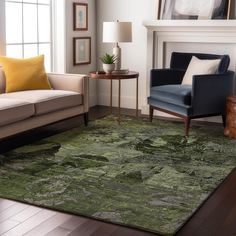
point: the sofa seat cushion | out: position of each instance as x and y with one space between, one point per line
173 94
46 101
13 110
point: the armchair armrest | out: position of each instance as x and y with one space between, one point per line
209 92
71 82
166 76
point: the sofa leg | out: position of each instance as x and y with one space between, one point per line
224 120
150 113
86 119
187 121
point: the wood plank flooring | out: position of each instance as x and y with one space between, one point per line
216 217
18 219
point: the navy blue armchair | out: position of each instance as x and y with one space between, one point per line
205 97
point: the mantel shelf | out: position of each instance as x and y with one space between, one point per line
191 25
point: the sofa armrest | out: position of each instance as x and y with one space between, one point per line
166 76
209 92
71 82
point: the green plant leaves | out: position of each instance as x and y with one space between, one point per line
108 59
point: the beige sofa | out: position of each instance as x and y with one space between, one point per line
26 110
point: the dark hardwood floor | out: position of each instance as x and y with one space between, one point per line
215 217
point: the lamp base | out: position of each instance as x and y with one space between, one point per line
117 53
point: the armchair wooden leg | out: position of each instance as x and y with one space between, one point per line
224 120
187 121
86 119
150 113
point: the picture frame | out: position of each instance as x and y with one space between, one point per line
194 10
80 16
158 7
81 50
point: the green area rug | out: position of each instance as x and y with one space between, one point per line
140 174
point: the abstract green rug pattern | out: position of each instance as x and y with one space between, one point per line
137 174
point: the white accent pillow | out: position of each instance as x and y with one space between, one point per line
200 67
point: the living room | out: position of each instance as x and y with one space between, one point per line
117 117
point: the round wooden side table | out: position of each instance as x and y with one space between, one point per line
230 129
115 76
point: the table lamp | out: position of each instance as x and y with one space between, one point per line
117 32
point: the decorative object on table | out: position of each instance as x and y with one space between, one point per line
117 32
140 174
119 77
230 129
108 62
121 71
192 9
99 72
80 16
205 97
82 50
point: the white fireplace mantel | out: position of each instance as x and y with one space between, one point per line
190 25
187 31
160 32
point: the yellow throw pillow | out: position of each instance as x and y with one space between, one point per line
24 74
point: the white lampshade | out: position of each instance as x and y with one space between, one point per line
115 32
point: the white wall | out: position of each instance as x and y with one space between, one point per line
2 28
70 33
59 36
133 54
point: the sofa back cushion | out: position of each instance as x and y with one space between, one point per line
2 81
181 60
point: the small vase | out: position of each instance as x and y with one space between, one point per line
108 68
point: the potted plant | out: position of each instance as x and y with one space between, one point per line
108 62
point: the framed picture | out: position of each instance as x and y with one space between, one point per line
82 50
80 16
221 9
158 5
192 9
